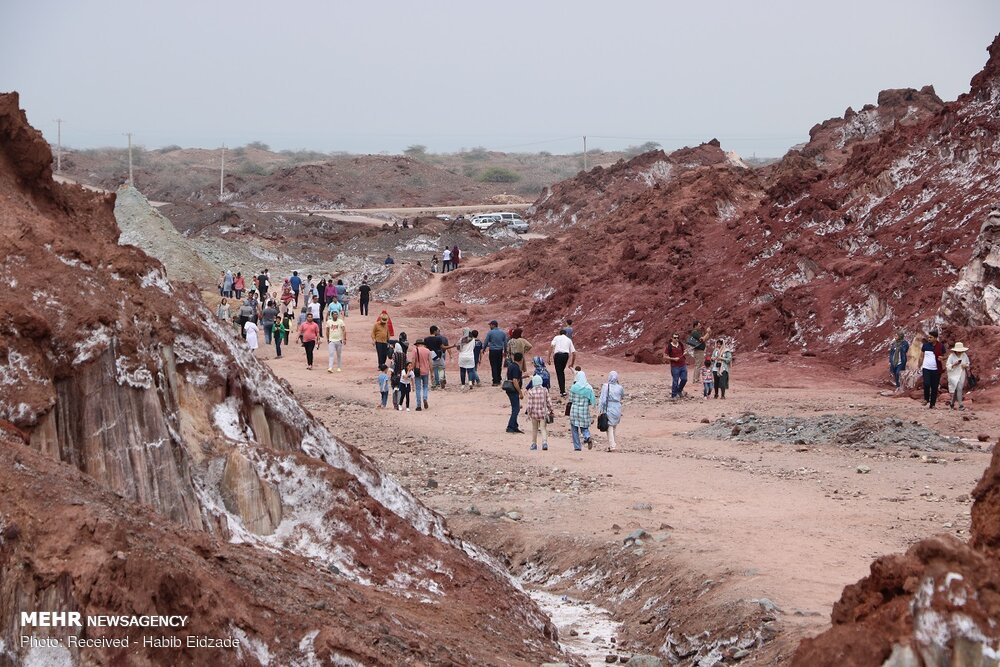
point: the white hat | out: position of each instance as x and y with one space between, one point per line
959 347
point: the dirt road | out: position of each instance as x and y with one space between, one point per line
734 521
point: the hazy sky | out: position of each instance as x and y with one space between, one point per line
510 75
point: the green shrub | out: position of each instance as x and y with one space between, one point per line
499 175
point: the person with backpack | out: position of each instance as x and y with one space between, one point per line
696 341
514 389
421 358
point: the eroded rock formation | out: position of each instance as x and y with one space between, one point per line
833 249
164 470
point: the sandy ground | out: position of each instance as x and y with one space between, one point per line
795 523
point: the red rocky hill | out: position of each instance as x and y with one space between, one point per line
151 466
856 235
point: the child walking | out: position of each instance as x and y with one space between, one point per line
406 378
707 378
383 384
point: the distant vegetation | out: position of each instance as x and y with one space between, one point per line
632 151
499 175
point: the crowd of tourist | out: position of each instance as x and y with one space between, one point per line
310 310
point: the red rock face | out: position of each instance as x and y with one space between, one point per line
831 250
152 466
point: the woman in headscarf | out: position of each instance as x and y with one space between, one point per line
222 312
538 408
610 404
581 397
957 366
542 372
467 358
518 344
381 332
286 292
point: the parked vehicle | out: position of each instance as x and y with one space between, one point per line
518 226
513 221
485 220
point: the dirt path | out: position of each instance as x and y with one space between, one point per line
792 524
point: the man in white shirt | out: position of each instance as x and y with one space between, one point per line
446 260
314 309
563 352
336 335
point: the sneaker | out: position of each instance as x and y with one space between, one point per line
407 409
589 443
425 405
545 446
418 408
533 448
577 449
340 370
329 370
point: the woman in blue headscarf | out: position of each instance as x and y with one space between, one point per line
581 397
542 372
610 404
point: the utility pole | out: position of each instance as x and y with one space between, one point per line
222 170
59 122
130 181
585 152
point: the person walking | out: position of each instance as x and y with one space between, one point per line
958 370
467 358
421 359
496 342
340 292
239 284
308 335
281 334
931 368
398 367
581 397
696 340
250 330
707 379
446 259
364 295
514 389
897 358
227 284
316 310
610 404
223 311
296 283
541 371
563 353
438 346
519 345
678 367
538 408
722 360
336 336
455 256
267 317
380 336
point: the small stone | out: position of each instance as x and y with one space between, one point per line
863 469
643 660
610 658
983 437
573 633
431 483
642 507
706 420
751 428
800 441
319 605
474 510
514 516
635 535
736 431
665 526
615 527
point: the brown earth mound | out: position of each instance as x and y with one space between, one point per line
788 258
168 472
936 605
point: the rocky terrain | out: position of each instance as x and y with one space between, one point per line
153 466
861 233
937 604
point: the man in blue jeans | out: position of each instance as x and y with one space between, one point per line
496 342
678 367
515 393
